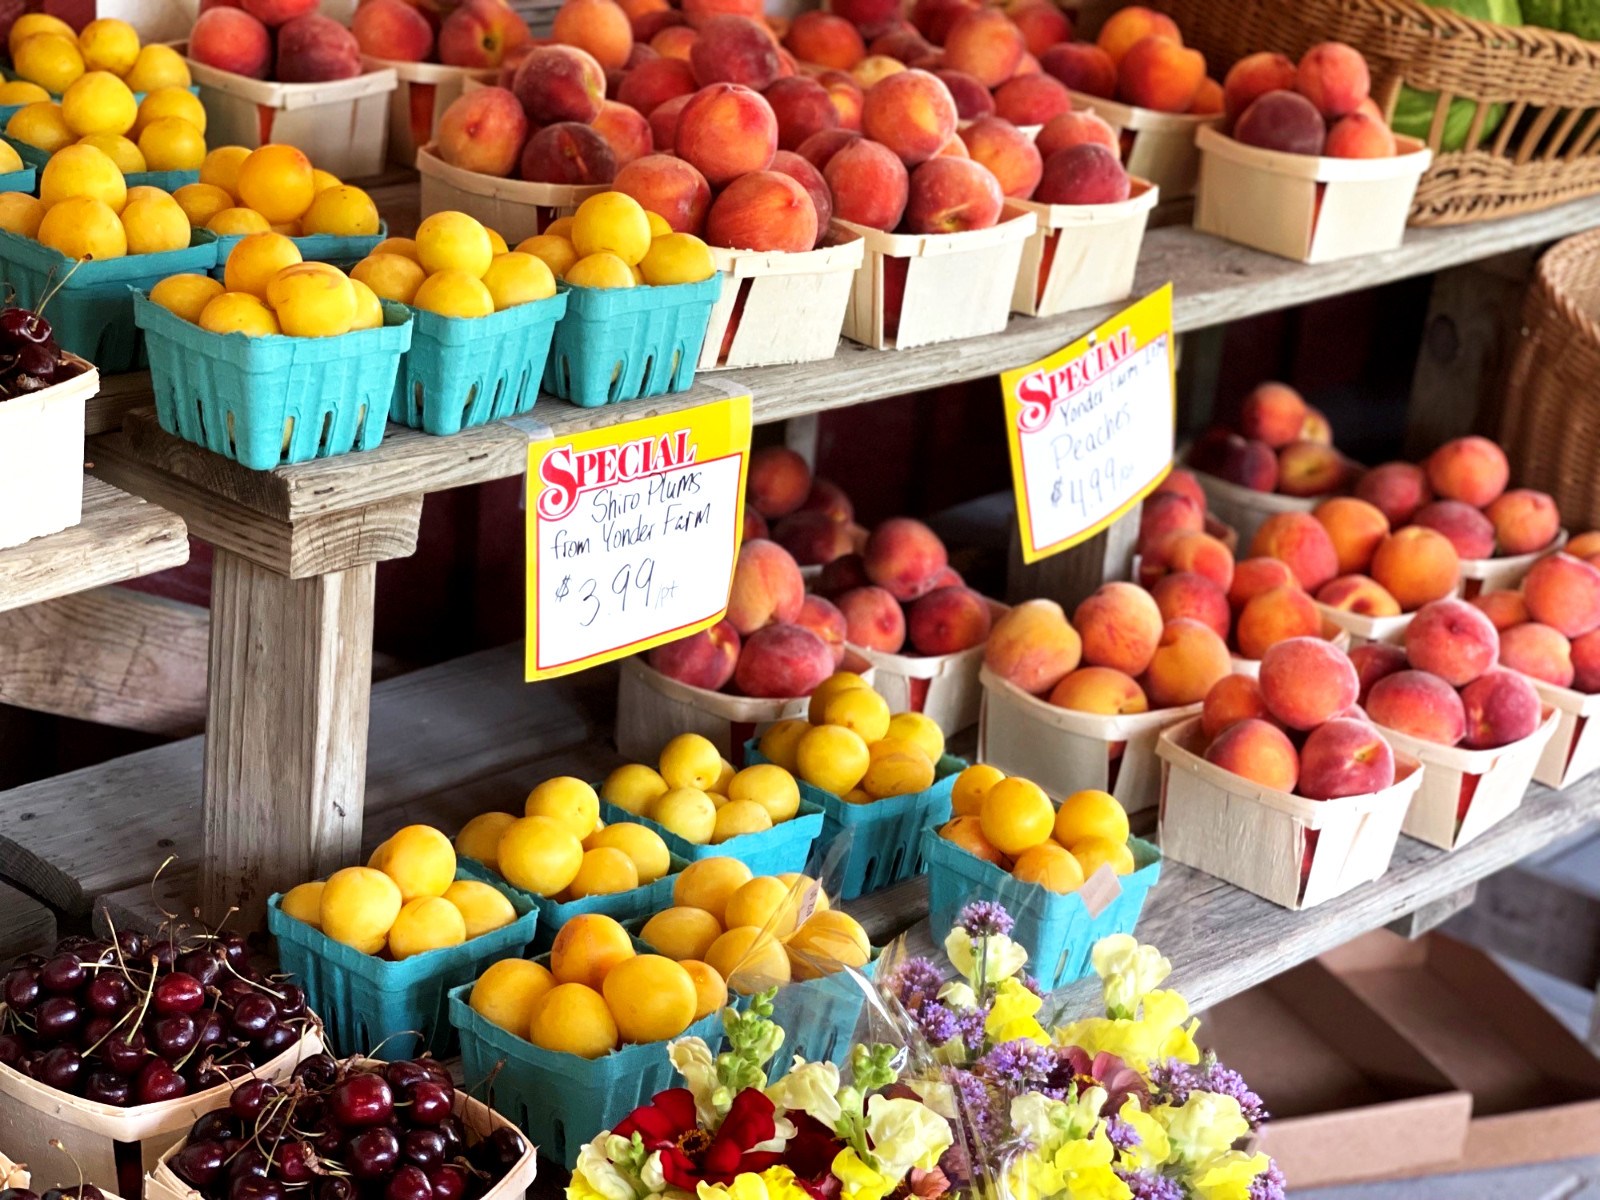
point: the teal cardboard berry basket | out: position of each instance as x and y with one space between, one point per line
1057 931
342 252
167 181
93 312
819 1016
386 1009
25 180
622 907
466 371
265 401
618 344
886 844
783 848
7 111
561 1100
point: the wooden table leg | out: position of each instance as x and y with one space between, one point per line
286 741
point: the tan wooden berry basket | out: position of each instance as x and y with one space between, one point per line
652 710
950 285
1495 574
1156 146
1363 629
478 1118
1082 254
1573 751
943 687
782 308
1305 207
1065 751
513 208
1528 94
41 457
1292 851
1245 508
1340 638
31 1114
419 99
342 126
1465 792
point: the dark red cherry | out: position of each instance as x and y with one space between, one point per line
173 1037
503 1148
209 1030
56 1019
62 974
424 1147
448 1182
202 965
408 1183
252 1015
319 1072
200 1163
11 1050
336 1188
178 993
373 1153
250 1097
22 989
125 1053
251 1160
256 1187
218 1125
133 945
278 1037
61 1069
236 948
108 995
361 1100
295 1162
402 1074
107 1087
157 1081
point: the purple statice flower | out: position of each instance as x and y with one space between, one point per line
1122 1135
915 982
984 918
981 1109
937 1023
1146 1186
1174 1081
1031 982
1022 1066
1270 1184
970 1023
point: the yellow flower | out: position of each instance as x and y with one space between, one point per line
811 1088
596 1178
1084 1170
1158 1034
905 1133
748 1186
1228 1176
1153 1148
859 1181
1205 1125
1165 1013
1128 970
1002 958
1012 1017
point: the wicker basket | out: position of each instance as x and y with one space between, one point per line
1546 149
1551 426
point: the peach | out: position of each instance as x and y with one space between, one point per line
1033 646
865 14
828 497
1309 469
1416 565
767 587
1132 24
764 210
483 131
874 619
1193 596
230 39
1420 705
842 575
654 82
1189 659
779 481
1168 512
1299 539
1273 413
788 163
781 661
1208 100
904 45
1355 528
825 39
1083 174
987 45
734 49
1358 594
1043 25
1360 135
648 26
1227 455
948 620
1586 662
560 83
1273 616
754 525
1524 521
668 187
1031 99
1345 757
313 48
952 195
1006 151
1252 77
1306 680
1334 77
1161 75
912 113
1100 690
701 11
625 130
1584 546
1253 576
726 130
1258 751
873 68
814 538
675 41
1316 427
1564 592
904 556
1283 121
802 107
392 29
1373 661
1467 529
1232 699
1470 469
934 19
1396 489
1539 652
1504 608
825 620
869 182
482 33
1453 640
1197 552
664 124
1074 129
277 12
819 148
570 153
1082 67
846 96
704 660
1121 626
1501 707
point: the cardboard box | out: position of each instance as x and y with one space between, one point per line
781 308
1351 1099
1535 1088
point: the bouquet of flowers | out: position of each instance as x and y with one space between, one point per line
1119 1107
733 1133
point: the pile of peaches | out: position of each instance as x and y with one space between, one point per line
1279 444
1322 106
1550 629
475 33
285 40
810 517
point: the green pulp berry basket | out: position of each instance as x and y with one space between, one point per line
777 851
25 180
623 907
93 313
623 343
264 401
1057 931
466 371
341 251
561 1100
386 1009
885 845
35 159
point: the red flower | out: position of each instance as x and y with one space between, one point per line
810 1154
691 1153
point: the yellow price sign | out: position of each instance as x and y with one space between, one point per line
632 534
1090 428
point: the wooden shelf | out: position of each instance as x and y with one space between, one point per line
120 537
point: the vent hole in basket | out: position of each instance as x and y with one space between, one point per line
325 439
416 403
677 362
614 392
896 862
558 1139
564 376
200 415
288 435
1116 751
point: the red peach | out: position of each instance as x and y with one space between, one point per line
570 153
846 96
1416 565
1283 121
779 481
952 195
1161 75
1374 661
865 14
1100 690
1033 646
274 13
1420 705
1470 469
754 525
1539 652
814 538
1525 521
1355 528
1358 594
903 556
1232 699
1501 707
1168 512
782 661
675 41
625 130
1345 757
803 108
1584 546
870 184
825 39
1586 662
1188 661
819 148
827 622
1299 539
483 131
1503 607
1309 469
664 126
905 45
1275 616
810 179
668 187
1564 592
764 210
1120 625
935 18
560 83
647 26
1031 99
1360 135
875 619
1273 413
700 12
986 45
704 660
1208 100
1453 640
1396 489
1467 529
1226 455
392 29
1083 68
842 575
734 49
1252 77
912 113
1316 427
1006 151
1043 25
1334 77
1306 680
1083 174
1258 751
1132 24
948 620
1190 595
655 82
597 26
767 587
828 497
1253 576
1074 129
230 39
727 130
1197 552
313 48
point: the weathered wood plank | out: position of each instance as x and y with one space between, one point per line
1435 913
25 924
120 537
104 411
112 656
